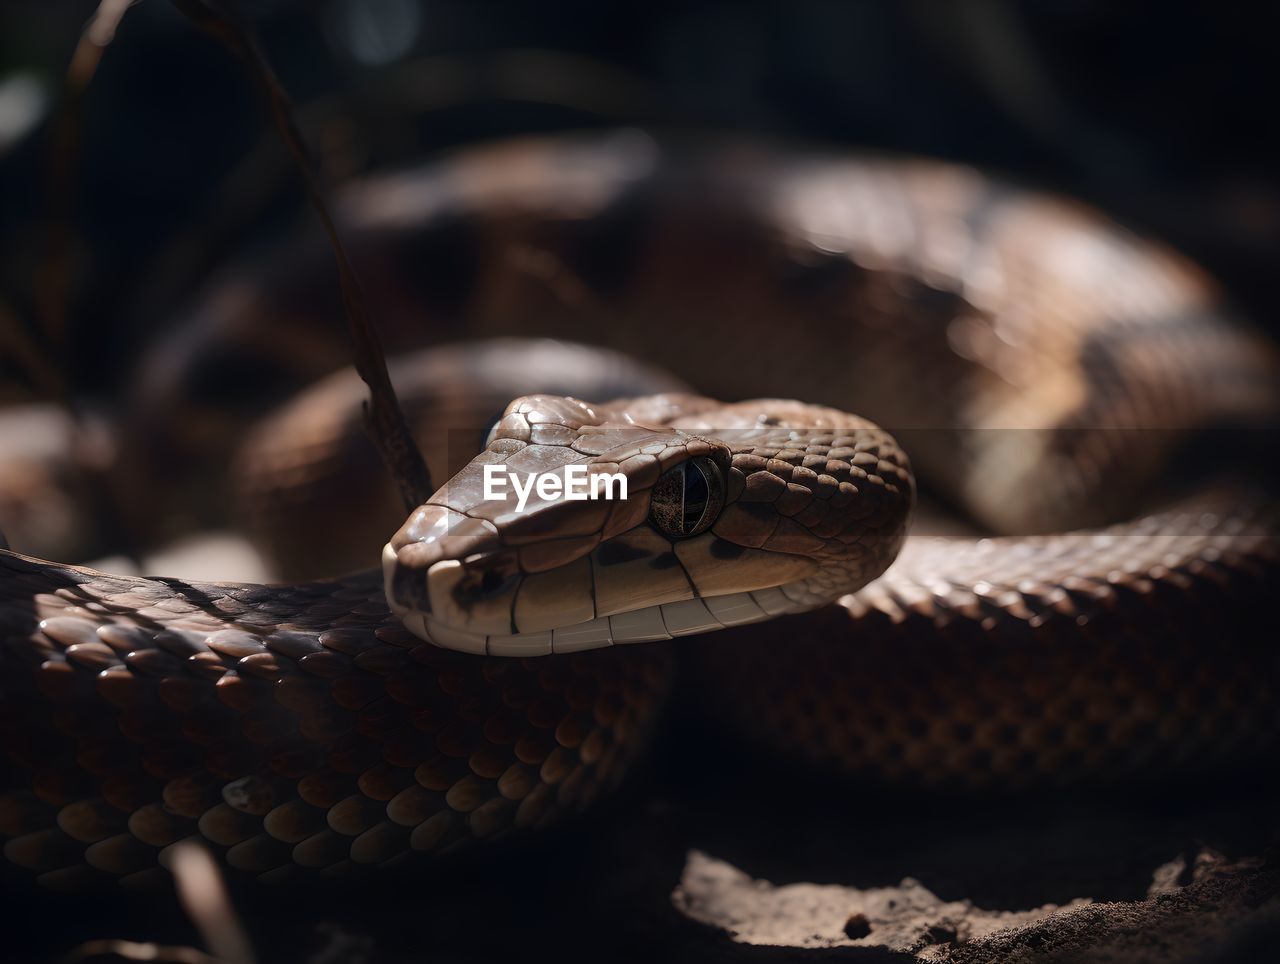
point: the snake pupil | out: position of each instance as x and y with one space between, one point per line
687 498
696 493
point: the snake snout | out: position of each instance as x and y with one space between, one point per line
476 593
433 541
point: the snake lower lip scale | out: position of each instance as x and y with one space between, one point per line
505 663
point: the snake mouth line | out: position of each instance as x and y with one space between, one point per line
686 617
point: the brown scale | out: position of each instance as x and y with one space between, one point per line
1093 694
200 683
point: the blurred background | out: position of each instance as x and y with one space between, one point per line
1161 114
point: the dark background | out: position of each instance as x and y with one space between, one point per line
1161 114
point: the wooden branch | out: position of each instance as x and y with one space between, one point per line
383 418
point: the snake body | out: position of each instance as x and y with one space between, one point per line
1043 367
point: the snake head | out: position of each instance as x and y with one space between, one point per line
686 516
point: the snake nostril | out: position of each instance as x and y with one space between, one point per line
490 582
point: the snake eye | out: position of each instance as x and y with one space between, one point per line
687 498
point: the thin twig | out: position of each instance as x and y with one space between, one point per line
383 418
94 40
138 951
54 273
204 898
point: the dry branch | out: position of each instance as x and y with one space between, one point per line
383 418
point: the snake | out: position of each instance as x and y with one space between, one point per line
1084 395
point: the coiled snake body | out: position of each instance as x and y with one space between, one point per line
1043 368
